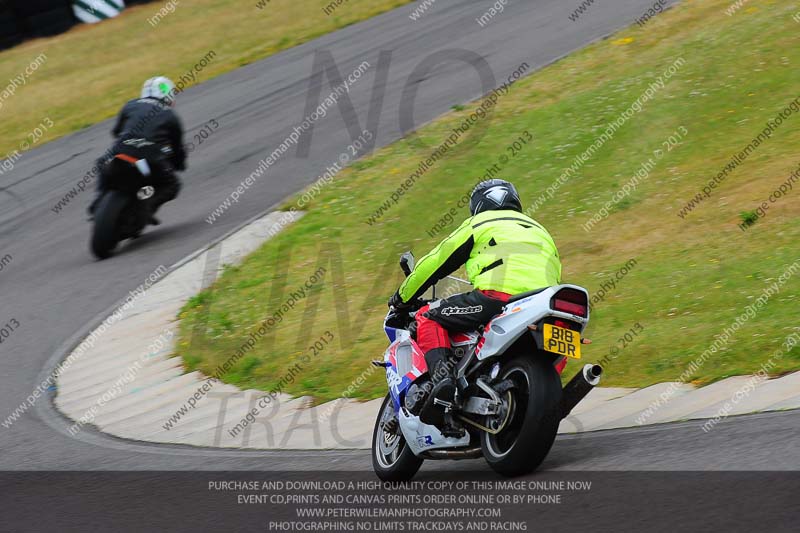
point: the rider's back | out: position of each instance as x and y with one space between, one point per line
512 253
152 120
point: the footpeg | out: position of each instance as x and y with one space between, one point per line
448 406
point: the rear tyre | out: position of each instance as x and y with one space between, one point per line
533 421
105 235
392 459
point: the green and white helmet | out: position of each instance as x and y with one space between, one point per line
161 88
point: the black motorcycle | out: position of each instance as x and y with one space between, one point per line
125 208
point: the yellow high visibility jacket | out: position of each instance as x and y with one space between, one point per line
504 251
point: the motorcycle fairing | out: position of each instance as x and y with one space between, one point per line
422 437
404 364
507 327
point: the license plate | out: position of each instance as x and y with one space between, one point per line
562 341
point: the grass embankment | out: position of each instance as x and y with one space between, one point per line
90 71
693 276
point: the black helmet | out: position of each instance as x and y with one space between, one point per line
492 195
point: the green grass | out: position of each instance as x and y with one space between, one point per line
748 217
92 70
693 276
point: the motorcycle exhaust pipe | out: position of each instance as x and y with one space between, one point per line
578 387
469 453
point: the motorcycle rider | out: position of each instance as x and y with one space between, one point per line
148 128
506 253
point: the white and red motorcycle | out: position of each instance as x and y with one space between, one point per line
509 397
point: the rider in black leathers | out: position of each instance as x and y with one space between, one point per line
148 128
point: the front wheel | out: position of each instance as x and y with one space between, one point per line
525 440
392 459
105 235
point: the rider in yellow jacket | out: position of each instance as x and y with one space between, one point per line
505 253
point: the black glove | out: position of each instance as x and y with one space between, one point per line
397 302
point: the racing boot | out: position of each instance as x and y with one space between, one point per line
438 408
153 206
102 167
166 191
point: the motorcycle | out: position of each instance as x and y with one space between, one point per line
124 210
509 397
